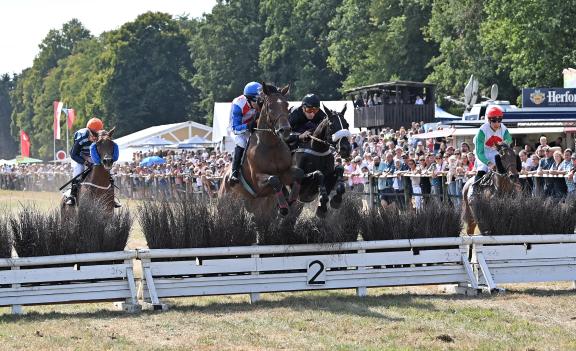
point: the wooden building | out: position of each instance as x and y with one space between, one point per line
392 104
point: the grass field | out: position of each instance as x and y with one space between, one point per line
526 317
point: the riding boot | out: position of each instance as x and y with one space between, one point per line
71 200
235 176
476 185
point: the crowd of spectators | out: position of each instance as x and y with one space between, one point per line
392 164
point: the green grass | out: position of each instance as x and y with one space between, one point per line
388 319
527 317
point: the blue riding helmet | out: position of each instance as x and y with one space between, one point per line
252 89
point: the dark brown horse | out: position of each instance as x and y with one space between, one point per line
494 183
97 186
317 161
267 164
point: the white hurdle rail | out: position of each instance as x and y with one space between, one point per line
524 258
258 269
69 278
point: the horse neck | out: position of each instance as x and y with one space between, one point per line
503 183
99 176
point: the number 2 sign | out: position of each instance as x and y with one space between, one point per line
316 273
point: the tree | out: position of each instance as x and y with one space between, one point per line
375 41
530 39
349 38
34 93
150 66
296 46
8 146
455 26
225 51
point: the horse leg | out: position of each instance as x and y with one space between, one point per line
336 200
275 183
297 177
323 194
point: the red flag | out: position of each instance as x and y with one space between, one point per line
24 144
71 117
57 111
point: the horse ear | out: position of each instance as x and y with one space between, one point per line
265 88
327 110
344 109
286 90
111 131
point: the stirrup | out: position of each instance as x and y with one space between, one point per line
117 204
233 178
71 201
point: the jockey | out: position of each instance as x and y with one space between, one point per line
243 117
80 153
305 119
490 134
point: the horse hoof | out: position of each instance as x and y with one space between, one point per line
284 211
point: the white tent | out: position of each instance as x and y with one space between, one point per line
173 133
221 121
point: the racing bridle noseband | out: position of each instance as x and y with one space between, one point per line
266 107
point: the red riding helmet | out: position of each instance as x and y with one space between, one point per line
494 112
95 125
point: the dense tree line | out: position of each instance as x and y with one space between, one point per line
159 69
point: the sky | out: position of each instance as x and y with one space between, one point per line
25 23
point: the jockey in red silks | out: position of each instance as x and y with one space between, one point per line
243 116
490 134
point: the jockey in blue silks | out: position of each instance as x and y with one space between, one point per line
80 153
243 116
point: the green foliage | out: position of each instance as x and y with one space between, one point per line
455 25
8 147
150 63
158 69
532 40
296 47
225 51
380 41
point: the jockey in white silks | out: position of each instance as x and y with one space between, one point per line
489 135
243 116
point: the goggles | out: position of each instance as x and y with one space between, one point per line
311 109
494 120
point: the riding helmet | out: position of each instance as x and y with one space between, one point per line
252 89
494 112
95 124
311 100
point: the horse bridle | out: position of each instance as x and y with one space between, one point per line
270 126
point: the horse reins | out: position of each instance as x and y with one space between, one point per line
269 129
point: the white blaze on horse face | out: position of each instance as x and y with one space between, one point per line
279 101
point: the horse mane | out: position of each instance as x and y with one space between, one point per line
322 128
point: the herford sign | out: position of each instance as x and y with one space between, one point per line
548 97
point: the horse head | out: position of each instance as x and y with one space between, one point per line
508 163
274 110
340 135
104 150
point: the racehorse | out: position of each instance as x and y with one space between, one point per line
97 187
317 162
494 183
267 164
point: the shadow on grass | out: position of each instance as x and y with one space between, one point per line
333 301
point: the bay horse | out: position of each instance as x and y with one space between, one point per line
321 175
97 186
267 163
494 183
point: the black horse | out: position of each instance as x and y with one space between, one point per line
317 161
